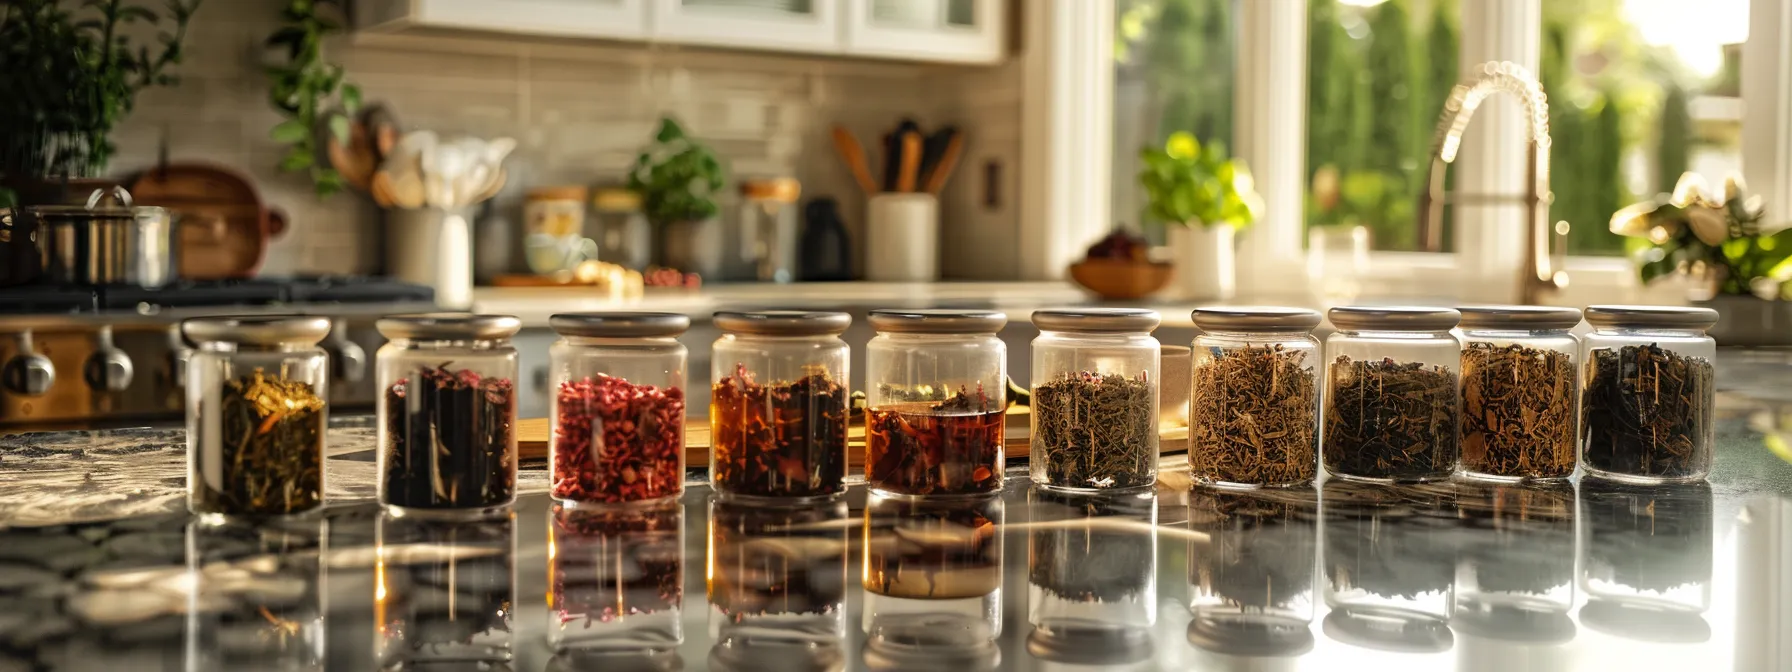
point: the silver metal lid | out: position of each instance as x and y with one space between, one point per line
1255 318
448 326
620 324
1097 320
1651 317
257 329
1394 318
937 321
1519 317
782 322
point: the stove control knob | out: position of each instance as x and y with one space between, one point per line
348 360
28 373
108 369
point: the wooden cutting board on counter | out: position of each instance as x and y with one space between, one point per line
532 438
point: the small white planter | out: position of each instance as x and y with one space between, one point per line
1206 267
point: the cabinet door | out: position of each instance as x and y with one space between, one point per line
965 31
622 19
786 25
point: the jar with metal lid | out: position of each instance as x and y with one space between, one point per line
778 405
1391 403
1095 385
936 398
618 407
447 413
1648 393
768 227
1518 414
1254 397
256 410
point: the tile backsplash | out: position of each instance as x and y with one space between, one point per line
581 111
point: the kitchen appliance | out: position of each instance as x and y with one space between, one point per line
75 356
104 241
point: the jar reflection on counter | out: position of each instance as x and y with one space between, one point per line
1251 577
1518 371
445 591
1647 549
1648 394
618 407
256 413
257 597
1254 402
779 404
616 577
1389 559
1091 576
1392 410
936 402
933 581
1096 373
447 413
1515 567
777 583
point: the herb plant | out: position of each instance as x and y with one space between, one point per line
310 91
70 75
677 177
1721 242
1186 183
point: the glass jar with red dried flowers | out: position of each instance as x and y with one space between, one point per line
617 407
447 413
935 402
778 406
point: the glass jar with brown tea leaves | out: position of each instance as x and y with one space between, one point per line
1647 393
935 402
1391 403
447 413
1254 404
778 404
1518 369
256 390
1095 378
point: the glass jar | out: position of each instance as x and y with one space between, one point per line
1095 380
447 413
1254 399
936 401
768 227
615 578
778 405
1518 415
623 235
1251 563
257 391
1391 403
1091 576
1647 394
618 407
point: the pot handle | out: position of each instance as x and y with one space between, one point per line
117 193
276 222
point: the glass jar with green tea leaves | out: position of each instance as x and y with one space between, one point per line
1391 403
447 413
256 407
1647 393
1095 378
778 404
1518 368
1254 401
936 399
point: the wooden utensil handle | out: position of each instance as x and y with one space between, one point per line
911 161
936 180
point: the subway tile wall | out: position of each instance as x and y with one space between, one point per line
581 111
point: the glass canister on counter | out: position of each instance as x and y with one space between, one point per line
447 412
1518 368
1647 393
1095 385
256 407
778 407
1254 402
936 401
618 407
768 227
623 234
1391 402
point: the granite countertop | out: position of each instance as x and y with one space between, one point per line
102 570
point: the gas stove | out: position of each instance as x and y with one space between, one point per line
96 356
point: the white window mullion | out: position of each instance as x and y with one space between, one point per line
1066 131
1269 109
1767 106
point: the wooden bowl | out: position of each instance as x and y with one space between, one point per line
1121 278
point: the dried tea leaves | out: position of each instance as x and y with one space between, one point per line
1096 432
1252 417
1517 411
953 447
450 443
269 449
779 440
1390 420
1648 412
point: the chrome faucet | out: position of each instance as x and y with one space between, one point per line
1542 270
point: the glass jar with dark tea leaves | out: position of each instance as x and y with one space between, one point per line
618 407
936 400
1648 393
1254 404
255 415
778 405
1518 414
1391 403
1095 385
447 413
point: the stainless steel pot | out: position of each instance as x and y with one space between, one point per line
107 241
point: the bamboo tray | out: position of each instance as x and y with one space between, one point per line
532 438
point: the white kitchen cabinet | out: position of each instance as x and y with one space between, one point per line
782 25
962 31
614 19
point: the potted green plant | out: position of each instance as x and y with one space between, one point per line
310 92
1737 266
72 74
1204 197
678 178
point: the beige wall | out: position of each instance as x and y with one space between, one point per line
580 111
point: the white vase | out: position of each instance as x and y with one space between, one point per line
1205 261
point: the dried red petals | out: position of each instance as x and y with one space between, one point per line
615 441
